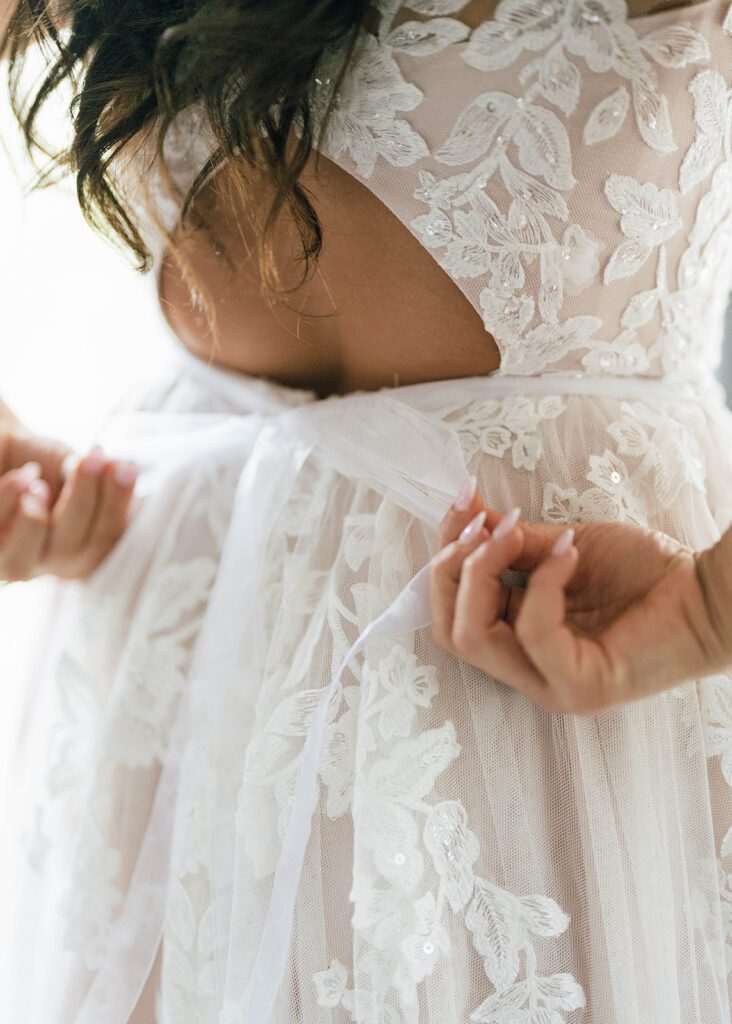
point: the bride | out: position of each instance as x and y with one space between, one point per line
411 251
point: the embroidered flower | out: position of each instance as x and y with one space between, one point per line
648 217
364 119
330 985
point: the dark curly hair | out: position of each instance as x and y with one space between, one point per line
133 65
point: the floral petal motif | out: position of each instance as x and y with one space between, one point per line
675 46
506 316
543 146
476 128
517 25
711 112
561 992
436 7
421 39
292 716
330 985
607 118
710 101
548 343
364 121
558 81
494 918
505 1007
652 116
454 850
649 216
627 260
640 309
543 915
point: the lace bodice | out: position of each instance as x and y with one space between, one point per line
567 165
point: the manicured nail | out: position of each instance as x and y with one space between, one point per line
125 474
563 543
94 462
465 499
30 472
69 465
472 530
32 505
507 524
39 489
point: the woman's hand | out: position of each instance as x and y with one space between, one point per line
611 612
58 514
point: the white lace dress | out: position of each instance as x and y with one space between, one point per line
221 799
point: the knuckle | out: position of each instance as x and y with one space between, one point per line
441 561
472 563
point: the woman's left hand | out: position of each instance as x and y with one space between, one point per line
59 514
611 612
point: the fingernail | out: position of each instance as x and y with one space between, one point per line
563 543
507 524
39 489
32 505
125 474
472 530
465 499
30 472
69 465
94 462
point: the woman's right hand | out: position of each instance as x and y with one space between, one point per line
59 515
611 612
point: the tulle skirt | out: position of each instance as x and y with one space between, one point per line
251 789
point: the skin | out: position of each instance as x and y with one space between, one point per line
58 514
582 637
335 335
374 284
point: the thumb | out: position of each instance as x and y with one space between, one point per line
541 625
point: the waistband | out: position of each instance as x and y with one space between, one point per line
268 396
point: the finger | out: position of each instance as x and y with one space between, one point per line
445 575
482 595
24 544
74 513
112 512
465 507
539 539
24 447
575 667
12 486
480 636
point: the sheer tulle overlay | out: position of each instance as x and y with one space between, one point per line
471 856
251 787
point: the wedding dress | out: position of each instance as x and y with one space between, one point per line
247 772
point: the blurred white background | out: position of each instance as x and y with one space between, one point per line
78 325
